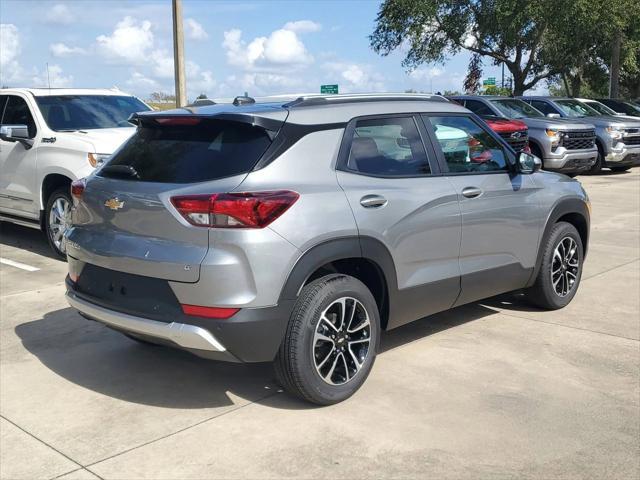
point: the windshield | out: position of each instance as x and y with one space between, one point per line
601 108
513 108
88 112
574 108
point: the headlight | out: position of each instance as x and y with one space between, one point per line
555 136
615 132
97 159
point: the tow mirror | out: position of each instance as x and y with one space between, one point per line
528 163
16 133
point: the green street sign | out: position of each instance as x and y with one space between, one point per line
489 81
329 89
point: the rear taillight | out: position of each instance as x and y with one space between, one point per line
77 189
234 210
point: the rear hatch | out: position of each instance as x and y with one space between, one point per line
124 219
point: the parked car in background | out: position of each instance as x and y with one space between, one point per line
618 139
49 138
296 231
621 106
563 146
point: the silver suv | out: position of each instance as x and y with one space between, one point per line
297 231
562 145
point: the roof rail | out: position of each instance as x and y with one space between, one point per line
318 100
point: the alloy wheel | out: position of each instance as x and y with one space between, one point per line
341 341
565 266
59 222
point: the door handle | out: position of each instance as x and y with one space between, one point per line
471 192
373 201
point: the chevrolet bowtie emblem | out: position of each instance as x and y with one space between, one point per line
114 204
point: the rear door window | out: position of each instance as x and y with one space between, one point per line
388 147
478 107
198 152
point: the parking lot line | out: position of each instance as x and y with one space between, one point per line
22 266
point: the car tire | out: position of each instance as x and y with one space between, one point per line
560 270
313 366
55 220
599 165
619 169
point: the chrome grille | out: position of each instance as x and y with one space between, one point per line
518 142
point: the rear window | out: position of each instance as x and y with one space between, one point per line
188 153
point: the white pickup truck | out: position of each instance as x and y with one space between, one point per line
49 138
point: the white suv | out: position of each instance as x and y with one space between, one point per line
50 137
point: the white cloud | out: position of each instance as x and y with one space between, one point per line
303 26
130 41
60 14
194 30
63 50
54 78
281 48
353 77
162 62
139 82
426 73
10 69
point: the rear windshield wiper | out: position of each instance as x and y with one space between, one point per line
120 171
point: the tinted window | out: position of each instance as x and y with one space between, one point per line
17 113
467 147
388 147
600 108
87 112
188 153
514 108
3 102
478 107
544 107
574 108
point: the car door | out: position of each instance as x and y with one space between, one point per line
18 190
501 218
402 203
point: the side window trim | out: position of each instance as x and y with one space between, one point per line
347 139
3 106
444 168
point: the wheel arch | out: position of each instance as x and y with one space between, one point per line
364 258
573 211
50 183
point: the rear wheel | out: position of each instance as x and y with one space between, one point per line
57 220
331 340
561 269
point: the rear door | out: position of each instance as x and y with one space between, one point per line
501 219
399 199
125 220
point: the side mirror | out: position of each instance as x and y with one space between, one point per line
528 163
16 133
553 115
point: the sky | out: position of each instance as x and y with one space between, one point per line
261 47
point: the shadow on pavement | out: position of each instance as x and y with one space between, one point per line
25 238
95 357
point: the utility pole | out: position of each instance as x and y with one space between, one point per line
178 54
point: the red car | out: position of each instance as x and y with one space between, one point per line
514 132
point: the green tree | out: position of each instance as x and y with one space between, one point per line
509 31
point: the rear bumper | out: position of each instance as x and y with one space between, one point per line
251 335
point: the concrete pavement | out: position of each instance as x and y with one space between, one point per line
490 390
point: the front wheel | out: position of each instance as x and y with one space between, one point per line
57 220
331 340
560 270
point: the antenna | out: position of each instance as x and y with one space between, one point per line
48 78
